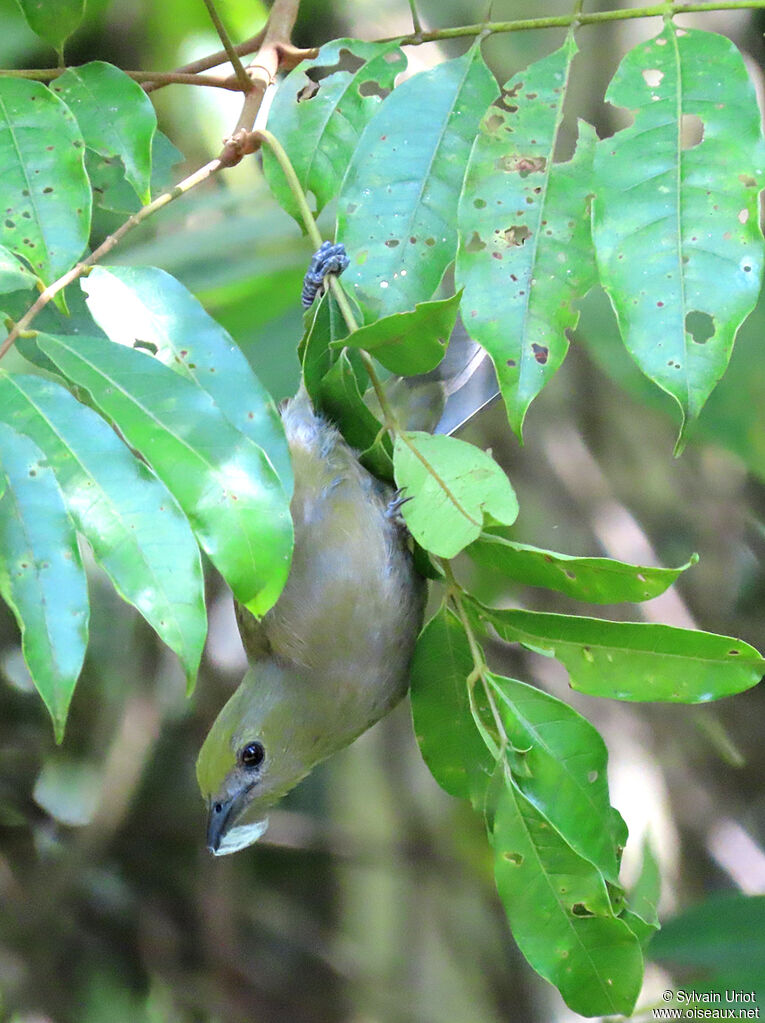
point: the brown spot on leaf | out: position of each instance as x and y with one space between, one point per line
541 353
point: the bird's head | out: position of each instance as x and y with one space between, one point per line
259 747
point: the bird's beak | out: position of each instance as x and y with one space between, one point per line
223 834
218 816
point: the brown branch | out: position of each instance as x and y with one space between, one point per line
267 61
241 75
48 74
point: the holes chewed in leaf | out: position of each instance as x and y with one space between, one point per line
515 235
530 165
652 77
147 346
691 131
373 88
308 91
541 353
701 326
476 243
513 857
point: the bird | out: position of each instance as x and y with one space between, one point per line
332 656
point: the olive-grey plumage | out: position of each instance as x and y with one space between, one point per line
332 656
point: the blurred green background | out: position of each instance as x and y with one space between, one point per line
372 897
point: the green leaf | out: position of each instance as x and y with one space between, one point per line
135 528
342 400
596 580
319 126
408 343
633 660
315 352
696 239
559 762
642 917
46 191
713 933
53 20
559 911
41 574
396 208
221 479
142 304
115 116
111 190
525 252
453 485
14 276
448 737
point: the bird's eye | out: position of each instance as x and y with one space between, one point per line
252 755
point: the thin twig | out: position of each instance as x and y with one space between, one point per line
416 23
661 10
162 77
241 75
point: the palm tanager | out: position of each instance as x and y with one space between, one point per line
332 656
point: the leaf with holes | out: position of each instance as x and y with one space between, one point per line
14 275
525 253
559 762
41 574
46 191
596 580
634 660
448 737
137 531
319 124
111 190
143 305
396 208
680 253
453 485
408 343
222 480
115 116
53 22
559 911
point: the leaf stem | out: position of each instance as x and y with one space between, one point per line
480 668
312 230
243 78
295 187
416 24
